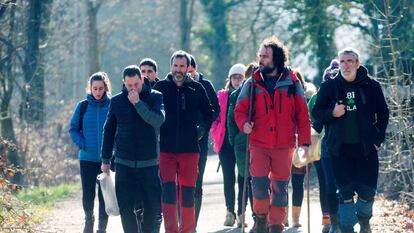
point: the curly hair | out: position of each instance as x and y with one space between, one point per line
280 52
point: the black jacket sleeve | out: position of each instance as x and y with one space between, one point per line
205 108
154 115
382 114
324 105
211 92
108 135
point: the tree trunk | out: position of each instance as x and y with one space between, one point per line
7 86
186 18
32 108
93 37
218 40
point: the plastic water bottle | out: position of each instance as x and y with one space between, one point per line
301 154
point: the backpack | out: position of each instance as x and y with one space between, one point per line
83 108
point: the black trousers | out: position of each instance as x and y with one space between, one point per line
89 171
227 159
139 185
355 173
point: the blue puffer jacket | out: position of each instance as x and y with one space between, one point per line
89 139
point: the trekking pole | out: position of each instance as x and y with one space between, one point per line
307 195
246 162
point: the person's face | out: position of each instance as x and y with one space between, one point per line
266 65
192 71
97 89
236 80
149 72
348 65
179 68
133 83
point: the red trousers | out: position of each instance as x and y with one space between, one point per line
270 169
181 168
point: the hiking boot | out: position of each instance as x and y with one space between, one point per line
334 228
364 226
239 221
230 219
276 229
89 221
261 224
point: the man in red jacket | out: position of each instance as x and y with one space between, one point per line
279 113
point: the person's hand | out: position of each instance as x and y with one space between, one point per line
303 152
133 96
376 147
105 168
339 110
248 127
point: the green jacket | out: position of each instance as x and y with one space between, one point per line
236 137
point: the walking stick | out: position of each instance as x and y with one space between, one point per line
246 162
307 195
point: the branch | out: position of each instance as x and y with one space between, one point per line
233 3
4 5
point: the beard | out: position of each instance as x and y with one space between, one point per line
178 76
267 69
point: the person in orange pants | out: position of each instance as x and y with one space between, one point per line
184 99
279 112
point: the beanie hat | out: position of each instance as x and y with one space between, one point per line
334 64
331 71
237 69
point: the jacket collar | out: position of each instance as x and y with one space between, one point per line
284 79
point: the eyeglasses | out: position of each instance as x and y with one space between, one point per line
237 77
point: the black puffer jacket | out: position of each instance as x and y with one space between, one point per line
182 105
372 112
133 127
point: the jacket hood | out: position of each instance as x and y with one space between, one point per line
362 74
187 79
286 78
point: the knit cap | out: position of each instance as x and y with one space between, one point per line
237 69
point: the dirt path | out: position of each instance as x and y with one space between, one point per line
67 215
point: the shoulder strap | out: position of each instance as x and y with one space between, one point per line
83 108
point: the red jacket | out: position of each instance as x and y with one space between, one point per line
277 121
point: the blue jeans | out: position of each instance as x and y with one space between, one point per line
139 185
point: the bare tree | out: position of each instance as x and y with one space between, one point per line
8 59
93 35
32 107
186 21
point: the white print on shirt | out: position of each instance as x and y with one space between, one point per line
350 102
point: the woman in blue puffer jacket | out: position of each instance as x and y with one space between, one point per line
86 127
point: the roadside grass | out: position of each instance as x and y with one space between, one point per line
39 200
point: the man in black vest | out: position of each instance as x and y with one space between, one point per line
133 118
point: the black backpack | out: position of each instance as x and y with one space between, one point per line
83 108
